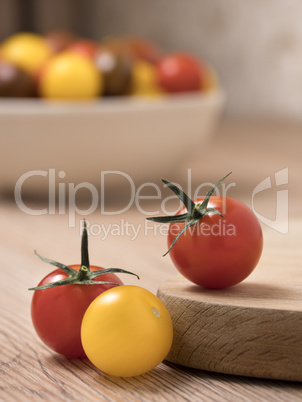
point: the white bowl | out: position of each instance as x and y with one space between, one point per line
142 138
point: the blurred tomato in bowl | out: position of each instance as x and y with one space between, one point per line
105 106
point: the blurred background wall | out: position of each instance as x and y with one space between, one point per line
255 46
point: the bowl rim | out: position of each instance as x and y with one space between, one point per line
30 106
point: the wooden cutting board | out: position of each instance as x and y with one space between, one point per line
252 329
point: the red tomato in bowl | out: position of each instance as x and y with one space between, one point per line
143 49
218 252
57 313
85 47
59 39
180 72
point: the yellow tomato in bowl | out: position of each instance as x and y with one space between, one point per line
27 51
70 76
144 80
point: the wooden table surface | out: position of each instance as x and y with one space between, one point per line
30 371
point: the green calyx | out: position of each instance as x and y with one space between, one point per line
83 276
195 211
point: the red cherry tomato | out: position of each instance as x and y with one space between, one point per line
62 297
218 252
179 72
215 242
57 313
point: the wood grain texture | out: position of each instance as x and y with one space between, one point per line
230 332
29 371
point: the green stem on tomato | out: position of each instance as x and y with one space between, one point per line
83 276
82 273
195 211
84 248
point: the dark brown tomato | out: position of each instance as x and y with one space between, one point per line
115 63
15 82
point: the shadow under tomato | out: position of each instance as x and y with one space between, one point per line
98 381
246 290
236 380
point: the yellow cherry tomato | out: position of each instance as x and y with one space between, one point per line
27 51
210 80
70 76
144 80
126 331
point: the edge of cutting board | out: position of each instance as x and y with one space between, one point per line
252 329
